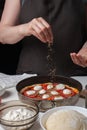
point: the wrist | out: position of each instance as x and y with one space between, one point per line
24 30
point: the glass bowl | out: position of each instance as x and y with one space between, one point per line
18 121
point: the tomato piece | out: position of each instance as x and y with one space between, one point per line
54 84
51 98
44 86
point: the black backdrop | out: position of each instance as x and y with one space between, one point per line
9 54
2 4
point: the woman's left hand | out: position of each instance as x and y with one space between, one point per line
80 58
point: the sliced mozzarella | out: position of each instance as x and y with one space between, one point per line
54 92
30 92
42 91
45 96
58 98
60 86
37 87
66 91
50 86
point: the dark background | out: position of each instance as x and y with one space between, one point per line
1 4
9 54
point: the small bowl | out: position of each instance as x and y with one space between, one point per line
2 90
45 116
23 124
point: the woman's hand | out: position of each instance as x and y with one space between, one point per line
40 29
80 58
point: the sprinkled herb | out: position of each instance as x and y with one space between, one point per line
51 65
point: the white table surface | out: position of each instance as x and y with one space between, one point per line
11 94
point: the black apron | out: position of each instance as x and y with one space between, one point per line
66 19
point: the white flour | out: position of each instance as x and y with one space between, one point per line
18 115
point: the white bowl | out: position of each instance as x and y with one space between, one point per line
45 116
2 90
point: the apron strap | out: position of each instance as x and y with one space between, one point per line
22 2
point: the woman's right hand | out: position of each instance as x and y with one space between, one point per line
11 32
39 28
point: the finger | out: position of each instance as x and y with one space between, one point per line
42 30
36 35
39 32
82 59
49 30
74 58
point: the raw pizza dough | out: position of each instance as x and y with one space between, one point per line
66 120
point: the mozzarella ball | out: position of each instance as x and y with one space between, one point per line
66 91
58 98
30 92
45 96
50 86
54 92
37 87
60 86
42 91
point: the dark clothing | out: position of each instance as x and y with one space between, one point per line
1 6
66 18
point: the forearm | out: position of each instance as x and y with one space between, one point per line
11 34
